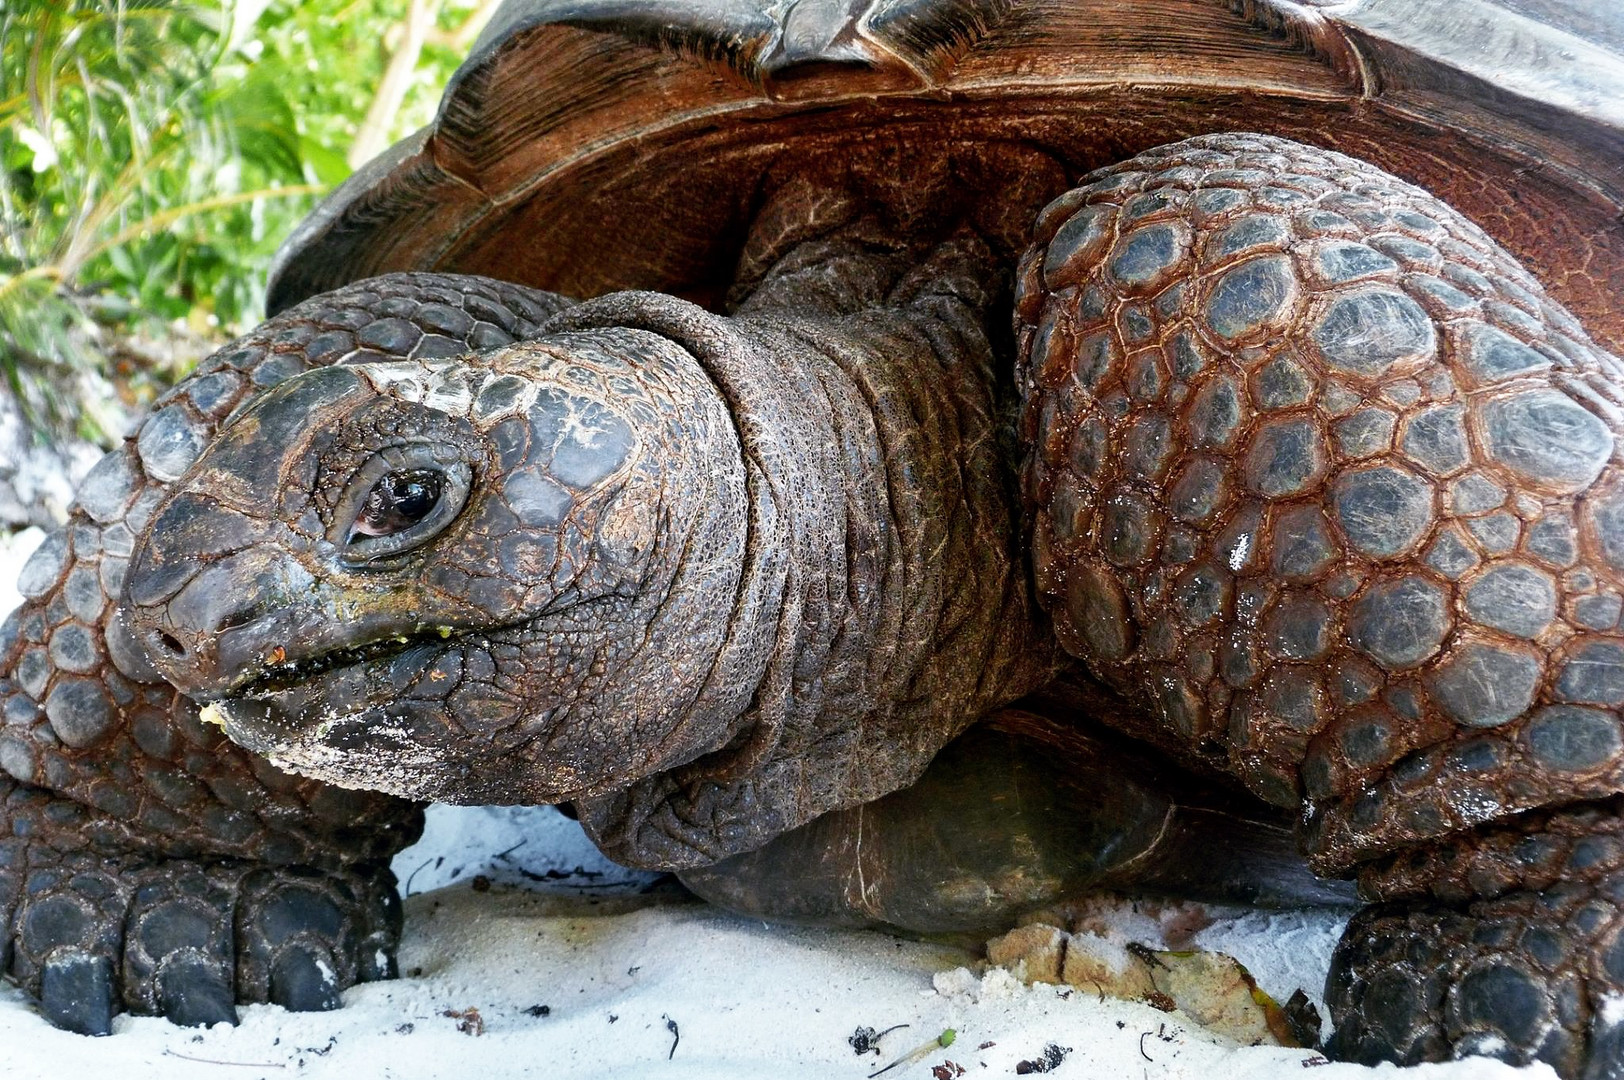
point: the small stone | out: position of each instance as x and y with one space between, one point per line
1097 965
1039 949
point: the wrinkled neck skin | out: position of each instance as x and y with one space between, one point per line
884 602
703 577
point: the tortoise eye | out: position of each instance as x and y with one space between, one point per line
401 498
397 502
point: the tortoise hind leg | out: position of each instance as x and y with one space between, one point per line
1020 812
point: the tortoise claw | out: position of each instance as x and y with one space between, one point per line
194 993
303 982
76 992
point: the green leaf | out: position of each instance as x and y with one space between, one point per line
326 166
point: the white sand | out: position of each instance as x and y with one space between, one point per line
618 958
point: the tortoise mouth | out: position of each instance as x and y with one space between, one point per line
293 674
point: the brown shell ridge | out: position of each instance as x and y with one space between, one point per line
563 99
1311 33
1537 90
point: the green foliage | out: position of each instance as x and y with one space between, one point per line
154 152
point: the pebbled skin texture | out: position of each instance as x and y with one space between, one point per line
1323 480
147 863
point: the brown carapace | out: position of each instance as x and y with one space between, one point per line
1060 447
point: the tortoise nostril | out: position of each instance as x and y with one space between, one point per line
170 644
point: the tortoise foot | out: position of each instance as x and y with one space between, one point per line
1525 977
188 941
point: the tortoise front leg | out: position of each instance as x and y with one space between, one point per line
1507 943
1324 482
146 863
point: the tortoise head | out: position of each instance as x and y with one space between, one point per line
491 579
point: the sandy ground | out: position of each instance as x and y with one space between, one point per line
526 954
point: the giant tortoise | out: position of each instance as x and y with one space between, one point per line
721 408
